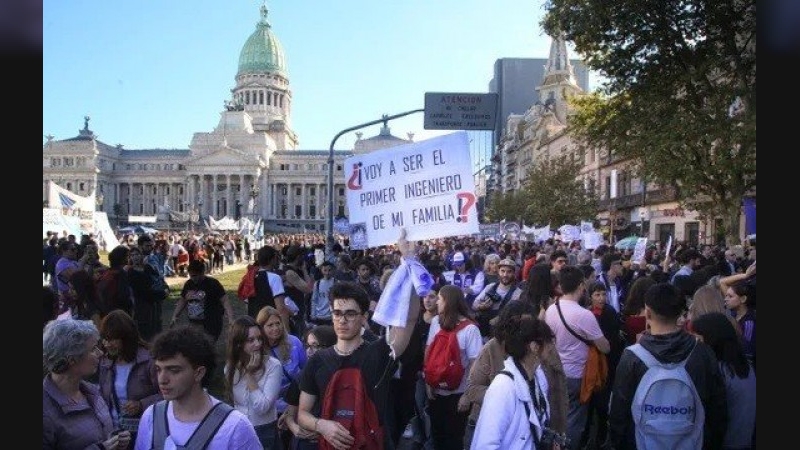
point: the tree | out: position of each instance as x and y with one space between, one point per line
679 100
508 206
553 194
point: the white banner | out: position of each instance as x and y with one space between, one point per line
104 235
426 187
63 199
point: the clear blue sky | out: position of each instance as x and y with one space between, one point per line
151 73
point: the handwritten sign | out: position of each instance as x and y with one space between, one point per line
639 250
425 187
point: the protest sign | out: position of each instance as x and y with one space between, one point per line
639 250
425 187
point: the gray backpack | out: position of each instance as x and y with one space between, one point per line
201 436
667 410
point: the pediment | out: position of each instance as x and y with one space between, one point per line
225 156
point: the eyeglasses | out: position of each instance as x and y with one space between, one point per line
349 315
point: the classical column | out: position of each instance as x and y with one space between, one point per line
303 200
272 189
214 196
228 196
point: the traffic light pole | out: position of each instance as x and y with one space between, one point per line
329 227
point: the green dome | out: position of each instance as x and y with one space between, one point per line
262 52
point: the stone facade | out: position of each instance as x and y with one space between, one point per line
249 165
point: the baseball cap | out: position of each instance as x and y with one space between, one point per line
458 259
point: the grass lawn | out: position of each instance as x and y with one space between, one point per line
230 281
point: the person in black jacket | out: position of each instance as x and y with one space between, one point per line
668 343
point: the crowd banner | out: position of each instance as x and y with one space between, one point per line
570 233
104 235
425 187
489 231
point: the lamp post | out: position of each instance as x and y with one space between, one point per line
329 226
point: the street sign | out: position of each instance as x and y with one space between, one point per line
460 111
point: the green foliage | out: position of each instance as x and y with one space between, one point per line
552 194
673 69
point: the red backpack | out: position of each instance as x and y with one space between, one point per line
346 401
443 368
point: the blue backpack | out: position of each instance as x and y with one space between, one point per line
667 410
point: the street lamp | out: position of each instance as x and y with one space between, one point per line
329 227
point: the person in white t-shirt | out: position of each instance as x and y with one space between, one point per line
185 362
174 251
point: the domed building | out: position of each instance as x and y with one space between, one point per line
248 166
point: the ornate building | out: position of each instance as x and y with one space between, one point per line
249 165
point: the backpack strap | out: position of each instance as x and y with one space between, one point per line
209 426
160 425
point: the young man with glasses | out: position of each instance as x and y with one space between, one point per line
376 360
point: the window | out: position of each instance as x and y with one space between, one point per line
341 191
283 210
298 210
692 233
295 167
324 167
55 162
81 186
298 191
166 190
312 191
312 211
338 167
69 162
341 208
180 190
69 186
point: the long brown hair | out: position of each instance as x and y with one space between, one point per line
118 324
236 359
454 307
283 344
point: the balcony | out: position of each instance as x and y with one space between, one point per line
633 200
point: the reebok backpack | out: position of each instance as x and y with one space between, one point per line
667 410
346 401
443 368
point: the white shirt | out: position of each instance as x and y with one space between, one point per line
235 433
469 341
259 405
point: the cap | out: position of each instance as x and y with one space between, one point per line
507 262
458 259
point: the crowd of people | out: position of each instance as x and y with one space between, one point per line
454 343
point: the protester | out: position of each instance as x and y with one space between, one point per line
516 411
371 360
127 375
669 343
74 414
286 348
448 422
491 360
205 301
318 338
565 315
716 331
253 378
185 362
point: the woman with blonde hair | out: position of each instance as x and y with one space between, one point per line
253 378
708 299
288 349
